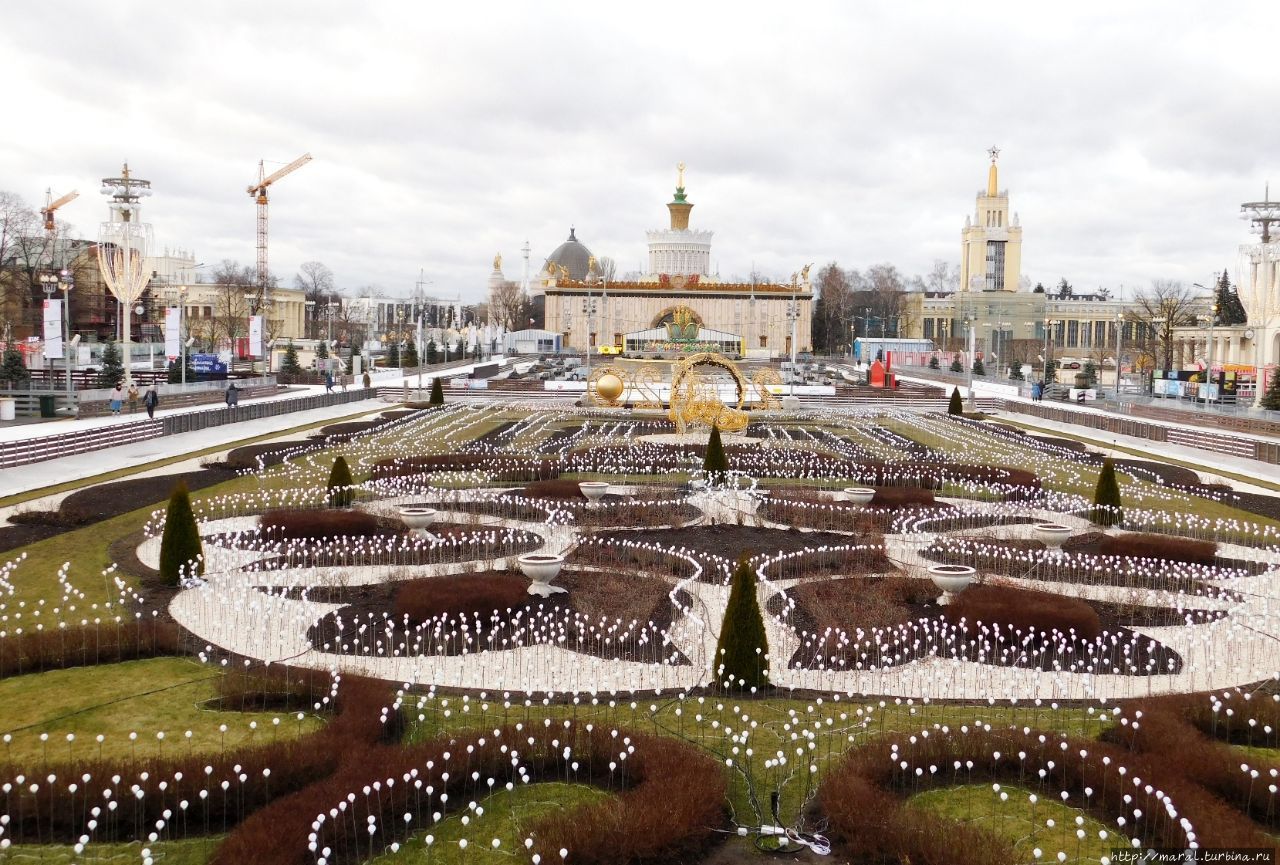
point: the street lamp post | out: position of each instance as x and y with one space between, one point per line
1119 339
1049 324
67 283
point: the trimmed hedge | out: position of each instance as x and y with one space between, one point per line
340 484
311 525
1024 610
1163 547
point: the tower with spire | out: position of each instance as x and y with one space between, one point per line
991 241
679 251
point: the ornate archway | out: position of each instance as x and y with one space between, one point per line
669 314
695 399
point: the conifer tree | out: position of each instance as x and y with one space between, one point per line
715 464
979 368
393 355
289 364
956 366
743 648
1271 396
956 405
1106 496
933 362
437 392
180 550
13 368
409 357
322 350
340 484
433 353
112 368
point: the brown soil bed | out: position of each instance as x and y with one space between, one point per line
730 542
406 558
592 595
823 609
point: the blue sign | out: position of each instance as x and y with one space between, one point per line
208 364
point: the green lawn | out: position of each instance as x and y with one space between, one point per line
1027 825
506 816
143 697
188 851
836 727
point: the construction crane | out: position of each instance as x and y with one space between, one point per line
50 225
50 205
258 192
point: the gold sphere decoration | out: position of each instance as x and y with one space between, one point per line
609 387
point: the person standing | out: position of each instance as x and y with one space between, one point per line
116 399
150 400
233 395
328 382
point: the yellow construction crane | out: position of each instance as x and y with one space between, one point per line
258 192
50 205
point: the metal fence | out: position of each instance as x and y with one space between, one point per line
83 441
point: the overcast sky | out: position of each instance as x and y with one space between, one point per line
443 133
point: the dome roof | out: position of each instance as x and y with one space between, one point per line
573 256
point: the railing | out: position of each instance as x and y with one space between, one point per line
68 444
1268 452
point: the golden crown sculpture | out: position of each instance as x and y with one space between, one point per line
682 326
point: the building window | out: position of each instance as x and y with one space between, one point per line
1073 334
764 341
995 265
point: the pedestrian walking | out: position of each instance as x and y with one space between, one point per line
150 400
116 398
133 398
328 382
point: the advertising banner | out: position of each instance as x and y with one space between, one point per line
172 332
255 336
53 329
208 364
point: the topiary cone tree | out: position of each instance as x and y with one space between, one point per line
956 405
1106 497
340 484
437 392
715 464
743 649
180 552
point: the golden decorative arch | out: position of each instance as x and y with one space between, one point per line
695 399
672 311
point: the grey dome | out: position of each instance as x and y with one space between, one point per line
573 256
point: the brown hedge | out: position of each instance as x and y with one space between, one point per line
1163 547
1024 610
53 814
86 646
670 797
864 796
506 467
316 524
459 595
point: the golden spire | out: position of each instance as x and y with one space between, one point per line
993 187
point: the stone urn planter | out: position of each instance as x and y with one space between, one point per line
1052 534
417 518
541 569
859 495
594 490
952 579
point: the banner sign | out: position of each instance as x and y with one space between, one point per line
208 364
53 329
255 336
173 332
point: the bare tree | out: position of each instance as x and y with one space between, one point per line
23 252
508 305
1167 304
607 268
886 288
316 282
833 308
942 278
